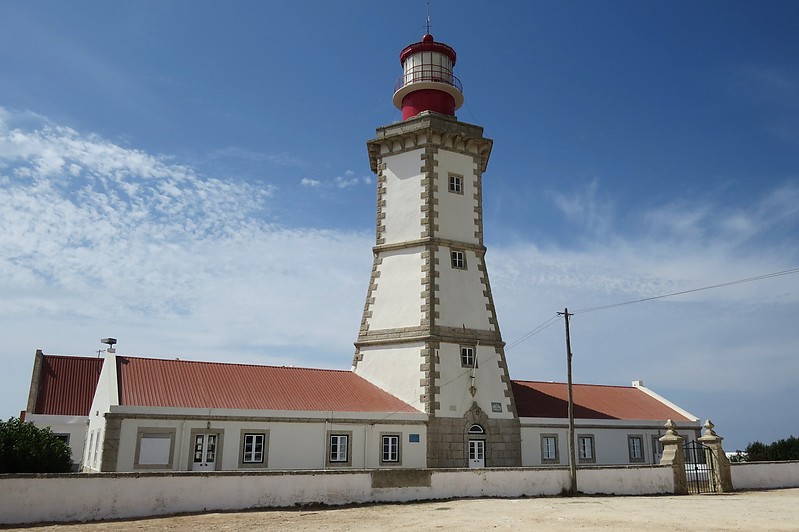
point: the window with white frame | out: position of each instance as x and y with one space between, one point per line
456 184
467 357
635 446
390 448
338 448
549 448
458 259
585 449
253 451
253 448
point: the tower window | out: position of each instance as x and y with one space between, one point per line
458 260
456 184
467 357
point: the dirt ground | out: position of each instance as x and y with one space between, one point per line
760 510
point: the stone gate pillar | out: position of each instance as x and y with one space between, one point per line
674 455
722 470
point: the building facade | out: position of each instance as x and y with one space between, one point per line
429 385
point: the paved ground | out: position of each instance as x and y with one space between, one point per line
763 510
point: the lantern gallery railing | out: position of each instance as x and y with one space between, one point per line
435 73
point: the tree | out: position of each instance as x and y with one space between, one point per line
26 448
787 449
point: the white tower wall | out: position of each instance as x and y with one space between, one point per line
425 305
386 366
462 300
397 295
459 224
403 176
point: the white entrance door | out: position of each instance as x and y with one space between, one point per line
204 452
477 453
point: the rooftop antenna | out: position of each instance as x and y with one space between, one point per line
428 18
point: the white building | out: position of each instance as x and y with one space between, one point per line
429 386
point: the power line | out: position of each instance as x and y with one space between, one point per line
533 332
730 283
552 320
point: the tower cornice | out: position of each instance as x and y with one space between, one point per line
429 128
429 241
436 333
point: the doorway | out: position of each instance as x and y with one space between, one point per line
477 453
205 445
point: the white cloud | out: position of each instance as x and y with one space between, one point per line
346 183
586 208
313 183
349 180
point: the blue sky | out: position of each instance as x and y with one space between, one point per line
192 178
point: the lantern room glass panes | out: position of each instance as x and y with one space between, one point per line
428 66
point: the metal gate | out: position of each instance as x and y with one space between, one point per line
700 468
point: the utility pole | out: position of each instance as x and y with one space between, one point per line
572 463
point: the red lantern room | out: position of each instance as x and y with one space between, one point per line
427 82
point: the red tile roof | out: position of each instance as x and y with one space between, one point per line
550 399
67 385
190 384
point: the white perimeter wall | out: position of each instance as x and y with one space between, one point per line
764 475
85 497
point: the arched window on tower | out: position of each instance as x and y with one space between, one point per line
476 429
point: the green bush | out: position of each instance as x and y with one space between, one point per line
787 449
26 448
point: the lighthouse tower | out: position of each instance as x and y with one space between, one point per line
429 332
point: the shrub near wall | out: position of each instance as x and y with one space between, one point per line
26 448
